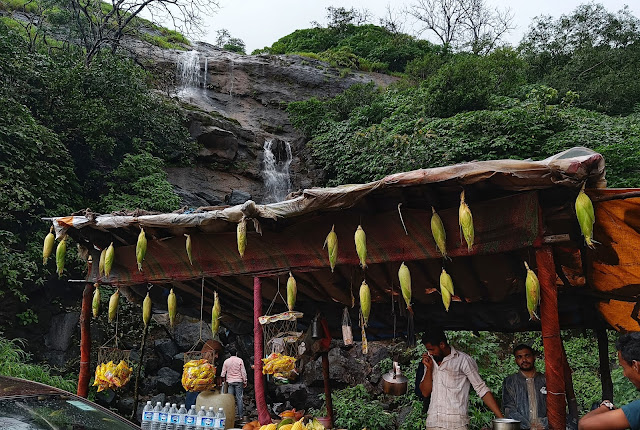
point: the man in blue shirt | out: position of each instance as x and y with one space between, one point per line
607 416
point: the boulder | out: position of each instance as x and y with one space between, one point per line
166 349
187 330
61 329
295 394
215 142
237 197
168 381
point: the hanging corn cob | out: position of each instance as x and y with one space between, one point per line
216 311
331 242
466 222
446 289
586 216
60 254
361 246
95 305
47 248
438 232
365 302
188 247
532 286
113 305
108 259
141 248
292 291
405 284
103 253
242 236
146 310
172 307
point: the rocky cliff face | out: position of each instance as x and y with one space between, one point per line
239 103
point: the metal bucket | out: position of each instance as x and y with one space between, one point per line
505 424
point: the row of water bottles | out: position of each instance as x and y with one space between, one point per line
172 418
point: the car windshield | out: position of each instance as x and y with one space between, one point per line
55 412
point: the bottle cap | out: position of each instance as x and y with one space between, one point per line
148 402
173 405
182 405
159 404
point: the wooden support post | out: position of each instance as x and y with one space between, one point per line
133 417
605 369
85 342
556 397
568 382
327 387
263 413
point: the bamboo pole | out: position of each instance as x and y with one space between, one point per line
85 342
605 369
263 413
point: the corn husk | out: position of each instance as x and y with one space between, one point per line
113 305
365 302
361 246
103 253
446 289
216 311
405 284
172 307
47 247
108 259
61 251
331 242
141 248
242 236
292 292
146 310
465 220
438 232
532 286
586 216
95 304
188 247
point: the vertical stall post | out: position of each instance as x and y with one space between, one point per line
85 342
263 414
605 369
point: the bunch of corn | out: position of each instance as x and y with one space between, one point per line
292 292
241 233
532 286
103 254
405 284
108 259
298 425
466 222
61 251
141 248
146 310
438 232
188 247
586 216
331 242
113 305
172 307
47 248
215 315
361 246
365 302
268 427
446 288
95 305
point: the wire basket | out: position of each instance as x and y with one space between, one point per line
280 335
199 355
107 354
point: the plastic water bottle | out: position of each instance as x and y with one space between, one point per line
147 416
201 416
220 419
208 421
190 419
155 423
173 419
182 416
164 415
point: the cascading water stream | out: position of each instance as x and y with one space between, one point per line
190 78
275 170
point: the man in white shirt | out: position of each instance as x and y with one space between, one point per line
447 377
235 375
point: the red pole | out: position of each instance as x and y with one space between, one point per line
327 387
554 363
85 342
263 413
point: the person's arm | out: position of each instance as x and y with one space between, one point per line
244 374
426 385
470 369
491 403
509 404
603 418
223 373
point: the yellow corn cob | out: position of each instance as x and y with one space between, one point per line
215 314
103 253
172 306
146 310
108 259
361 246
405 283
365 302
270 427
188 247
141 248
586 216
60 254
298 425
95 305
292 291
113 305
466 222
331 242
446 288
47 248
242 236
532 286
438 232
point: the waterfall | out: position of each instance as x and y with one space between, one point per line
189 70
275 170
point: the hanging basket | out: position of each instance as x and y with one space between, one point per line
280 335
114 369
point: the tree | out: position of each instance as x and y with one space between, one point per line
339 17
224 40
462 24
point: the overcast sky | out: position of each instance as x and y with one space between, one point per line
259 23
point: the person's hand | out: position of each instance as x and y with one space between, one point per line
244 384
428 362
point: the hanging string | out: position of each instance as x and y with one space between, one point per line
117 321
201 307
402 220
275 296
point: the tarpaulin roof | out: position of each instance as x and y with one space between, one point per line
517 205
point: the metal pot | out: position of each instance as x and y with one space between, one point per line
394 382
505 424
